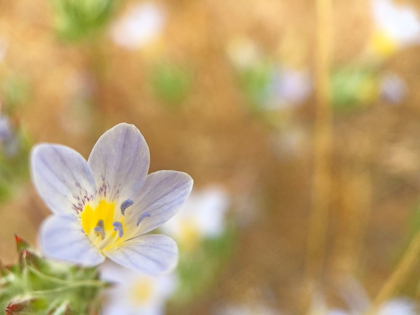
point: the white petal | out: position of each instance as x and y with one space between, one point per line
62 178
161 196
120 162
151 254
62 238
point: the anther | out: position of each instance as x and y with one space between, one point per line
142 216
99 229
127 203
119 228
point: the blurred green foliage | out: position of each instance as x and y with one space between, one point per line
255 81
15 90
353 88
14 169
200 269
78 19
171 83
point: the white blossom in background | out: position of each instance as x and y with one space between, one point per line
394 307
252 308
140 26
202 216
397 26
76 114
134 293
243 52
3 49
288 88
392 88
103 207
358 302
290 141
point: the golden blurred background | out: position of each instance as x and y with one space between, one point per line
305 113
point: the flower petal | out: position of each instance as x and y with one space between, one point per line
161 196
152 254
62 238
62 178
120 162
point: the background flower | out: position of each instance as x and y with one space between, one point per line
135 293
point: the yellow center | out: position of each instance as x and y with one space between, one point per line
190 235
103 216
142 291
383 44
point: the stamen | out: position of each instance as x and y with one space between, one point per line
142 216
99 229
127 203
119 228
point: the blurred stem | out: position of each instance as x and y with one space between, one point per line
398 277
318 224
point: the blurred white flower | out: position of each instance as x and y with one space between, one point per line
3 49
392 88
243 52
288 88
134 293
394 307
397 26
202 216
76 114
247 309
290 141
142 25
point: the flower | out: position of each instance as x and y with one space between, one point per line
397 26
288 88
106 205
9 140
251 308
393 307
140 26
203 216
3 49
244 53
392 88
135 293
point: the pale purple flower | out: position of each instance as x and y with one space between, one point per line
103 207
5 128
9 140
289 88
392 88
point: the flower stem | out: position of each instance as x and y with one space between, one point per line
321 185
398 277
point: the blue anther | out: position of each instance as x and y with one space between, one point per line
119 228
142 216
99 229
127 203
